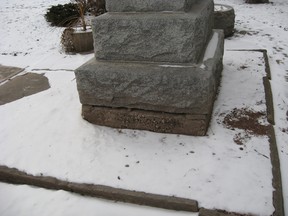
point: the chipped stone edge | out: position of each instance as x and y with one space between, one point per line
278 201
15 176
269 100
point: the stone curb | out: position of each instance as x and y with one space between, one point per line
269 100
267 65
14 176
276 173
266 82
274 156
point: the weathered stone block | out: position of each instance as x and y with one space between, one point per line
155 37
159 87
148 5
224 18
147 120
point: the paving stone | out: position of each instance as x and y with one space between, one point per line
22 86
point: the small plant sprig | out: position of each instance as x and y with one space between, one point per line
82 6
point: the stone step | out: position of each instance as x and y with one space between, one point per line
156 37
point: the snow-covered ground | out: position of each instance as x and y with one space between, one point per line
45 134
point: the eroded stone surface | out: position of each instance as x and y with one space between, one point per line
155 37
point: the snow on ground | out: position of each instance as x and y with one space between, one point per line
45 133
26 201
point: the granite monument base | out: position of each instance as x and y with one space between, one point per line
154 96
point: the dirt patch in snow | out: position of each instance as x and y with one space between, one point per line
249 120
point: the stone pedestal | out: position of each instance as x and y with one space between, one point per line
157 66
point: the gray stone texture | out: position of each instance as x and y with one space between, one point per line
171 88
154 37
6 72
157 66
14 176
148 5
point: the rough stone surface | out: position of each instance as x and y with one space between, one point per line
256 1
217 212
144 86
146 120
22 86
15 176
172 88
148 5
156 37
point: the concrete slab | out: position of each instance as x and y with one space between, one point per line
7 72
22 86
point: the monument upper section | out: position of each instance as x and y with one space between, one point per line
154 36
149 5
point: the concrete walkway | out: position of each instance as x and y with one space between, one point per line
20 86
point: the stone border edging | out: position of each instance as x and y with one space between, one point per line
266 82
269 100
276 173
267 65
14 176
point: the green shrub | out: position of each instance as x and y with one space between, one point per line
62 15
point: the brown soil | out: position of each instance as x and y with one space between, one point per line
247 120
